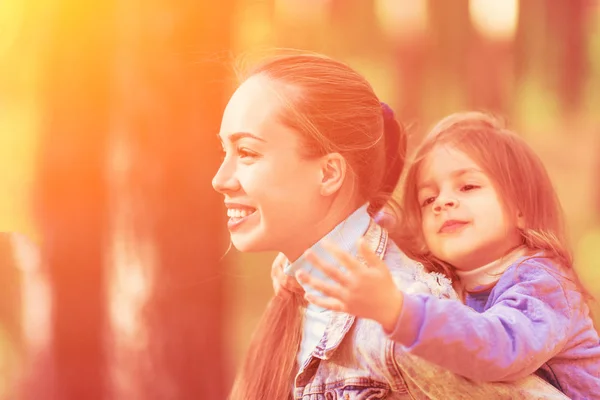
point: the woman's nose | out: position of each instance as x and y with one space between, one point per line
224 180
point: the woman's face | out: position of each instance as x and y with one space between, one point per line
272 193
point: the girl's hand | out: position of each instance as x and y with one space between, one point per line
386 219
363 291
283 284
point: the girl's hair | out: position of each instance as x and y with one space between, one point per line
516 171
334 109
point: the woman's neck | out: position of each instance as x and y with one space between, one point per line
333 217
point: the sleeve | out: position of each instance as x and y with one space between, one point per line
527 324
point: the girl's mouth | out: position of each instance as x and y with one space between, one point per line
451 226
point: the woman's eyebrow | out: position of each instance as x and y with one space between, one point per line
234 137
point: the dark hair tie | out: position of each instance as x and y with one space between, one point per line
395 145
388 113
392 132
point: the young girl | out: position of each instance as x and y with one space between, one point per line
479 201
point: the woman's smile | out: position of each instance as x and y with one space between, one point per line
238 214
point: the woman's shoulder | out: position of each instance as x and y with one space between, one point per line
411 276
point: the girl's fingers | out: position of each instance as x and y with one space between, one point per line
332 272
347 260
369 256
326 302
335 291
386 220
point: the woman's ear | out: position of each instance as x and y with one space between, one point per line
333 172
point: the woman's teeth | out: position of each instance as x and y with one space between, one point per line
238 213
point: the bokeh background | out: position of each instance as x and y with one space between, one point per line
118 282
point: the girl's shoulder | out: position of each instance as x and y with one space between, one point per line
536 268
542 278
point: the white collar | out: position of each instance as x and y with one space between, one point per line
486 276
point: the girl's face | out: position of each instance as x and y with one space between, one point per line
464 221
272 193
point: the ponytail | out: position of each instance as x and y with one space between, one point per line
269 367
395 153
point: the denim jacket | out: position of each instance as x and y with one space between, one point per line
355 359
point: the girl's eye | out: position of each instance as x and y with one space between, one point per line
467 188
427 201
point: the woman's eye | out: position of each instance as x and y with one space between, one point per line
245 153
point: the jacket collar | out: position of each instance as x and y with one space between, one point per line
340 323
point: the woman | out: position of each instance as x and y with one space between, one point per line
310 156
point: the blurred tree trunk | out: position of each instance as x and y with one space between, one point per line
160 85
410 62
173 72
71 197
596 187
412 42
354 28
10 296
530 51
11 330
567 33
552 41
451 40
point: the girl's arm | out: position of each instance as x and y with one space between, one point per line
526 325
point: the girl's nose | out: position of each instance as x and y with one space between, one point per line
445 203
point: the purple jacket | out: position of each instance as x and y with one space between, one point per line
534 320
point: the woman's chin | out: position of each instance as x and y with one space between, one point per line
247 244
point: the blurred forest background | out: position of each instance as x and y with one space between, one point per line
112 268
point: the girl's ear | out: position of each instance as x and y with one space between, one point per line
520 220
